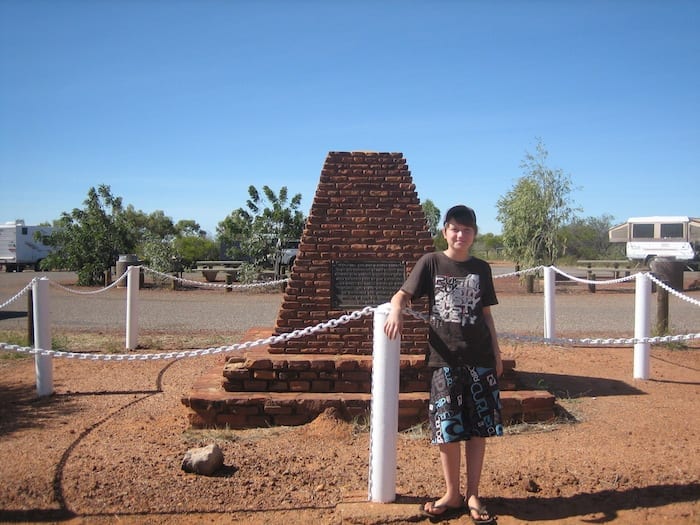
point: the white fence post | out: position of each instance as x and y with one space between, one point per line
132 306
642 308
549 293
43 364
385 411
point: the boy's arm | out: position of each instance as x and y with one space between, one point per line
394 322
488 319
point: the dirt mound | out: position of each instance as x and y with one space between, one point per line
332 423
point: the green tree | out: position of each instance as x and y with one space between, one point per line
159 254
588 239
488 245
534 211
255 232
432 217
90 239
192 248
439 241
149 225
166 246
155 234
189 228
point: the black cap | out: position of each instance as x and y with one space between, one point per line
461 214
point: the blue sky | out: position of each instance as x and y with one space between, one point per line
180 105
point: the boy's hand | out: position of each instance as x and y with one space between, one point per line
499 365
394 323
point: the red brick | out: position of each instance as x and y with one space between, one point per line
278 409
356 376
232 420
255 386
299 386
320 386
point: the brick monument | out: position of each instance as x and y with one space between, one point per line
365 231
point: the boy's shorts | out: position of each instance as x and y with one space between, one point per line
464 402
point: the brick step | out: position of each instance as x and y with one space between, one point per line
259 388
210 406
260 371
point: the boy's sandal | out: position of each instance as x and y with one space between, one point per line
484 516
438 512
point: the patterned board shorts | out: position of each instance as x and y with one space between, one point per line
464 402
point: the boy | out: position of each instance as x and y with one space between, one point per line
464 356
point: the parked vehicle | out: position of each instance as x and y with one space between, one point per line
289 252
285 256
19 248
673 237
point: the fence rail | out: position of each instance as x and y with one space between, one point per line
42 347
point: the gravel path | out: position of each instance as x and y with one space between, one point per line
184 311
607 313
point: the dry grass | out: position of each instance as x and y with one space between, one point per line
112 343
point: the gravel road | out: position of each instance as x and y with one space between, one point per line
607 313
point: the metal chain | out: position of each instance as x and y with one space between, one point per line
333 323
673 291
519 272
18 294
600 341
91 292
200 284
299 333
582 342
588 281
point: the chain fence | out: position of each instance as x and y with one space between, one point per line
344 319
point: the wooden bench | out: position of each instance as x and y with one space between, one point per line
615 267
594 267
210 269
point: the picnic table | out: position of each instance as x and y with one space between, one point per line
210 269
615 267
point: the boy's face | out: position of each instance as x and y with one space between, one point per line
458 236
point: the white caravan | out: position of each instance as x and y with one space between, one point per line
674 237
19 248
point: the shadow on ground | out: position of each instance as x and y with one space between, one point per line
21 408
570 386
606 503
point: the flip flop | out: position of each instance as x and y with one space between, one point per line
481 511
437 512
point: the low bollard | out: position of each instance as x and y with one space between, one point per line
549 295
133 275
43 364
385 411
30 317
642 299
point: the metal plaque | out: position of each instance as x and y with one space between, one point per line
360 283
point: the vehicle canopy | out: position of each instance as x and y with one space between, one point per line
675 236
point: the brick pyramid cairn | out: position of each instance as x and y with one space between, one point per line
365 231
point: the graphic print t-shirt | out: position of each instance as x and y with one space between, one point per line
457 293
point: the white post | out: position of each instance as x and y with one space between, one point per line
43 364
132 307
385 411
549 293
642 307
